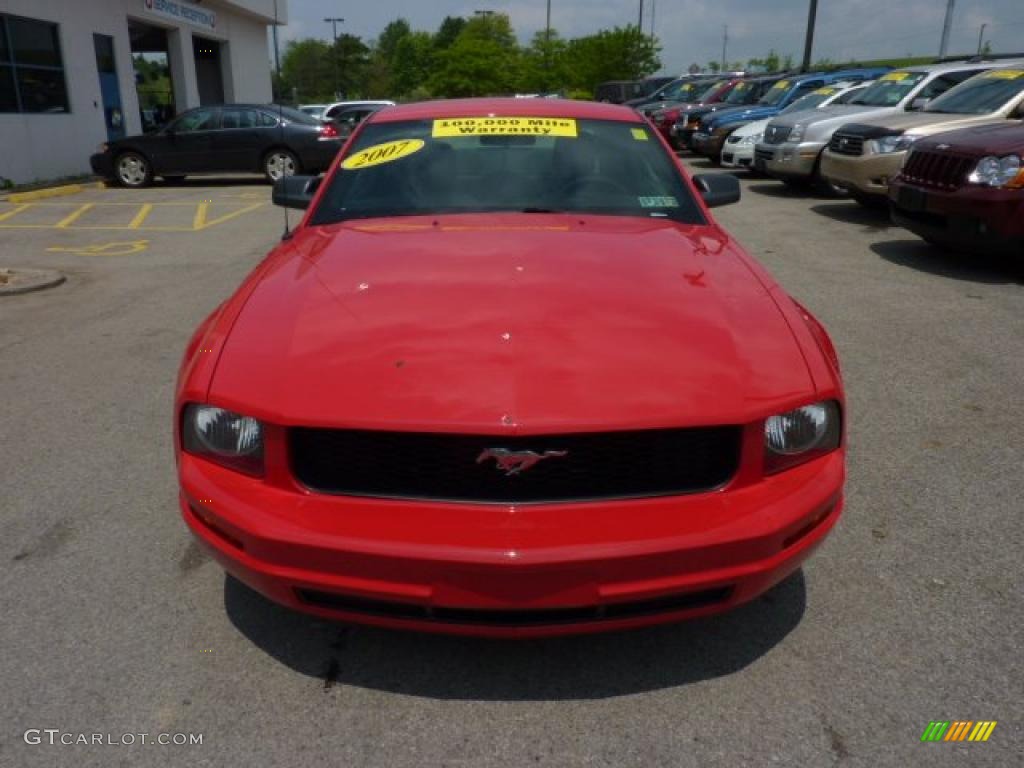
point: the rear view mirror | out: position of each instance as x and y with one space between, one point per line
718 188
295 191
918 104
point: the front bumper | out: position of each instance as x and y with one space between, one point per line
972 218
866 175
499 570
738 155
708 144
102 164
789 160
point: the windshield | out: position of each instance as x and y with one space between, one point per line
981 94
710 91
890 89
683 90
743 93
519 164
776 93
811 100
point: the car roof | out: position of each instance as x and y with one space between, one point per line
955 66
507 107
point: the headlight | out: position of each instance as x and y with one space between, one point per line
796 133
996 171
889 144
752 139
224 437
800 435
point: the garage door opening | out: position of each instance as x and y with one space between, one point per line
208 71
152 74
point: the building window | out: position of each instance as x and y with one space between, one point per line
31 67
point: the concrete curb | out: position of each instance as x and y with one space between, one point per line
29 280
42 194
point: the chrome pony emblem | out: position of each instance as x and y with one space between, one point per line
514 462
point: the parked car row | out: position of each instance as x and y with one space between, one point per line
940 144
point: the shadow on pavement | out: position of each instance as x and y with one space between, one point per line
849 212
695 161
974 268
583 667
213 181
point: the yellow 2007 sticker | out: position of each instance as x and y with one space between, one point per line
639 134
504 126
1004 74
382 153
897 76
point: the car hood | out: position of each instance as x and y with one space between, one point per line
735 115
991 139
927 123
751 129
505 323
831 117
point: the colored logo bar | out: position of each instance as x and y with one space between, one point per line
958 730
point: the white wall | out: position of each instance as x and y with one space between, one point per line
49 146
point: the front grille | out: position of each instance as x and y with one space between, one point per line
765 155
846 144
513 617
776 134
608 465
937 169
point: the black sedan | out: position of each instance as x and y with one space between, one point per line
249 138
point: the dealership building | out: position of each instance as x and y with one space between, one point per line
76 73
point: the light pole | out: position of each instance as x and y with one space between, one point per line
334 21
725 43
812 17
947 25
640 22
981 35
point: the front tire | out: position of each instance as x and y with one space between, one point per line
279 163
133 170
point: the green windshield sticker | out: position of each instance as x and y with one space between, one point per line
656 201
639 134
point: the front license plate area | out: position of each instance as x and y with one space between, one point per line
912 199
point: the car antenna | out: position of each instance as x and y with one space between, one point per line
280 124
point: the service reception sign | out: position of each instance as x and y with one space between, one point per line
176 10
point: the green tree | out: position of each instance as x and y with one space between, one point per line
622 53
307 70
772 61
484 60
448 32
545 63
412 64
714 66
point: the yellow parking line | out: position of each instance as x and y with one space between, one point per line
228 216
141 216
67 221
200 220
15 211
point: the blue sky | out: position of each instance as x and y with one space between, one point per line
691 30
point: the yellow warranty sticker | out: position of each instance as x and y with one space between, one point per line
895 76
505 126
1004 74
825 91
639 134
780 85
382 153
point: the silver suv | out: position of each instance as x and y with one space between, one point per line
792 144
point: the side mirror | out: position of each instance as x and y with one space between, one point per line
718 188
295 191
918 104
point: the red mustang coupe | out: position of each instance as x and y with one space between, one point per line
508 377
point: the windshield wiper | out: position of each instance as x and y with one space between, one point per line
540 210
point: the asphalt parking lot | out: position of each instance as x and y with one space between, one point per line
115 623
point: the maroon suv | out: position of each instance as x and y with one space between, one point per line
965 189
